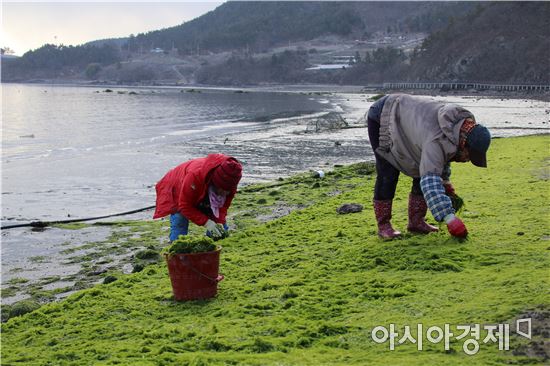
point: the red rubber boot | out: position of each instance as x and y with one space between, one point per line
417 214
382 211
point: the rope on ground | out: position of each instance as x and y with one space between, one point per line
49 223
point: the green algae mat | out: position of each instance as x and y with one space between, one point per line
318 288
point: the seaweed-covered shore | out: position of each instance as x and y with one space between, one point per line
307 288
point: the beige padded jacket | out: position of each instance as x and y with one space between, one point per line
419 135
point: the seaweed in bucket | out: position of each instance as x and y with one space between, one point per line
191 244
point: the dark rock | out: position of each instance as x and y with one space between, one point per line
97 272
349 208
109 279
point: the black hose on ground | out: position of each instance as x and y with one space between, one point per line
41 224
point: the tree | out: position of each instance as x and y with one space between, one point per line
7 51
92 70
367 59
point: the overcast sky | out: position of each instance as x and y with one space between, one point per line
29 25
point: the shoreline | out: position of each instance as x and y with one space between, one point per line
339 147
297 88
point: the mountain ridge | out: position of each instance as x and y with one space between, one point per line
241 43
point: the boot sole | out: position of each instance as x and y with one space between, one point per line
387 238
421 232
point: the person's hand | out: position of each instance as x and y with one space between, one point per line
449 189
456 227
214 229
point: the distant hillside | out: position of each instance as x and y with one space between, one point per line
116 42
499 42
254 26
52 61
260 25
250 42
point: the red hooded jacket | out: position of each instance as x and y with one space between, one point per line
185 186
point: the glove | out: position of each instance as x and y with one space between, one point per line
455 226
449 189
214 229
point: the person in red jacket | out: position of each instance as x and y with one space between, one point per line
199 190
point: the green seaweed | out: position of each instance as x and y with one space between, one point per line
147 254
22 307
374 98
308 287
17 280
73 226
191 244
9 291
38 259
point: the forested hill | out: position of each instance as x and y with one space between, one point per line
260 25
507 42
496 42
251 42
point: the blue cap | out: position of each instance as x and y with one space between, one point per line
477 142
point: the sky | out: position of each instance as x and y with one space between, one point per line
29 25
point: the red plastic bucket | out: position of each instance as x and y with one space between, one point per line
195 275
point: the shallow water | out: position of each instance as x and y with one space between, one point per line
82 152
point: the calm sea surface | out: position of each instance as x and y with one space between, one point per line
80 151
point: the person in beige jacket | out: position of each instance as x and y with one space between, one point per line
420 136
